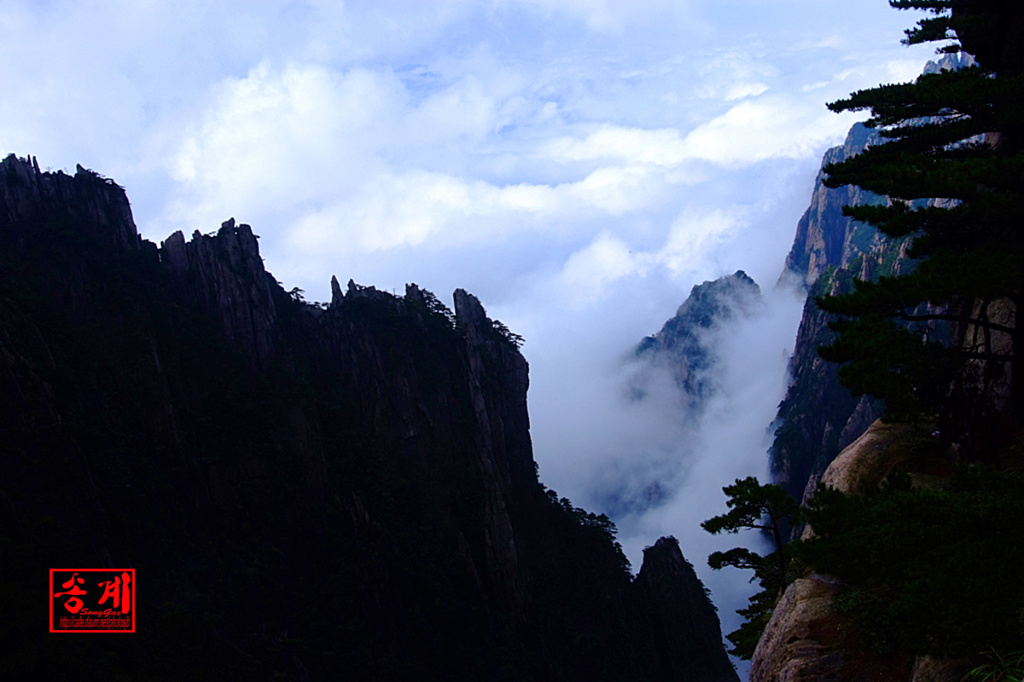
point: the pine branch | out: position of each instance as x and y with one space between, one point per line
935 317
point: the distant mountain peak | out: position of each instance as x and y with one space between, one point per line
683 342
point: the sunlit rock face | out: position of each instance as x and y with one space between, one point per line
825 238
307 490
867 460
808 641
807 638
800 640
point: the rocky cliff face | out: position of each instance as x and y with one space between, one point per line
306 491
95 206
825 238
819 417
222 276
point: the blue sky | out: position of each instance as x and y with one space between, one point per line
578 164
465 143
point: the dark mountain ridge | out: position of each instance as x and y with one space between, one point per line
305 491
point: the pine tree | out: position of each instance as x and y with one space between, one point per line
953 172
756 507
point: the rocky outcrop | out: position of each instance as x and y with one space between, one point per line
806 639
867 460
85 207
799 642
684 343
683 618
223 277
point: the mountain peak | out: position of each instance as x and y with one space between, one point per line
678 602
708 304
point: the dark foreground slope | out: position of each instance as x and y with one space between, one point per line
305 491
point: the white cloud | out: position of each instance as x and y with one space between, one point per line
323 144
767 127
613 16
635 146
903 70
364 30
318 149
285 134
616 190
693 236
390 210
749 132
736 75
588 272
